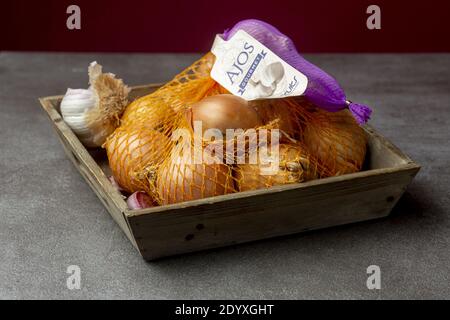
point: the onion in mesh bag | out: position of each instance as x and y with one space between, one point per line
143 158
133 155
295 165
337 140
289 115
224 111
179 179
186 88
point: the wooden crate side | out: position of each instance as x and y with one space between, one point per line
88 168
86 165
143 90
382 153
244 219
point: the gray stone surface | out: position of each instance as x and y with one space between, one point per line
50 218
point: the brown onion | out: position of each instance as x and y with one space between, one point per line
279 111
295 165
225 111
179 180
337 141
133 155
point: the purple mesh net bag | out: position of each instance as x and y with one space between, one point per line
322 90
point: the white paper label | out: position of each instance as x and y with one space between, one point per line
248 69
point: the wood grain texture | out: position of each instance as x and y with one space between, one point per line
246 216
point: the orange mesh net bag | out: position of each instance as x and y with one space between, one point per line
155 147
336 140
295 164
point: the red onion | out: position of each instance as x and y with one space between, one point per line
139 200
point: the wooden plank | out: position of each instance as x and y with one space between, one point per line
89 169
247 218
143 90
86 165
381 153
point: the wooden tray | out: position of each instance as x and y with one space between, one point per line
245 216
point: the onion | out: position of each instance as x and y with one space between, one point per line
150 111
337 141
225 111
280 111
180 180
133 155
295 165
164 104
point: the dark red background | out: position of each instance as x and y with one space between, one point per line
190 26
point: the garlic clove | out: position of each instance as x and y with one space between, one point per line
76 101
139 200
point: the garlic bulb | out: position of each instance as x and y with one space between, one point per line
94 113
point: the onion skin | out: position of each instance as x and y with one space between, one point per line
178 180
132 152
337 141
186 88
225 111
295 165
277 110
289 115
